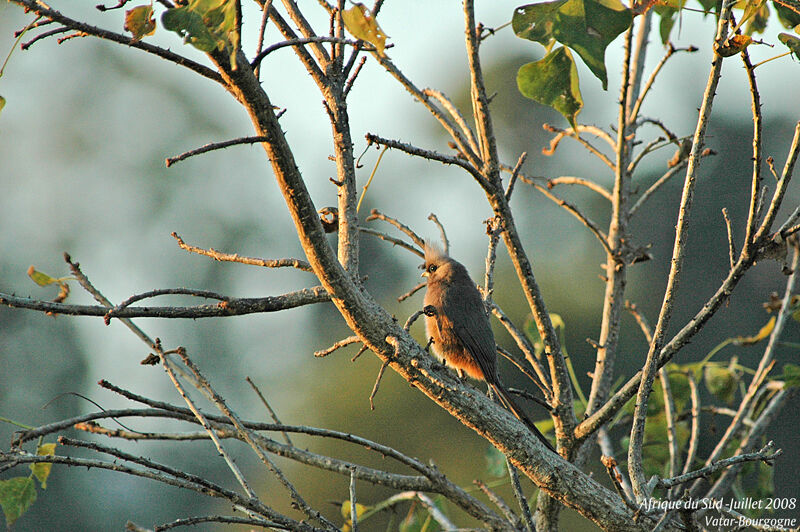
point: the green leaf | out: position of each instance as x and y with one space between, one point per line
667 15
206 24
41 470
791 42
2 103
791 375
140 22
16 496
721 381
711 5
669 12
750 9
586 26
362 25
553 81
758 23
788 12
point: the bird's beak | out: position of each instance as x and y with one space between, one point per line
424 271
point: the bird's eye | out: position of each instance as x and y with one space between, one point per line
431 268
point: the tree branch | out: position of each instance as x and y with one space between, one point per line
43 10
235 257
638 481
231 307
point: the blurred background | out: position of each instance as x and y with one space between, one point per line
83 138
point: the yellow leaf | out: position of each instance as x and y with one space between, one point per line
765 331
362 25
360 509
140 21
735 44
42 279
42 470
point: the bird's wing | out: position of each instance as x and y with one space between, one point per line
474 332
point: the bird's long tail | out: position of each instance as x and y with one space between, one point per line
509 403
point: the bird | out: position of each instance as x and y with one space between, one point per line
458 326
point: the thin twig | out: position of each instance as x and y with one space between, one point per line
41 9
764 365
515 174
473 160
780 190
207 294
525 509
670 415
377 383
215 146
260 46
572 209
341 343
615 243
572 180
430 155
694 438
246 504
655 186
501 504
493 229
766 454
235 257
75 268
786 229
300 21
266 404
616 480
650 80
731 243
455 114
348 86
247 436
411 319
353 509
375 214
526 347
393 240
411 292
669 400
204 422
442 233
256 62
45 34
651 365
562 133
360 351
755 187
230 519
750 441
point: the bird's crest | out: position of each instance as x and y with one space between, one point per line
433 253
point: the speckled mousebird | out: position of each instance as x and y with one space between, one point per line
457 323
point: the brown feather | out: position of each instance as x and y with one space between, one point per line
459 327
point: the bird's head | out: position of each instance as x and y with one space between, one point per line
438 265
